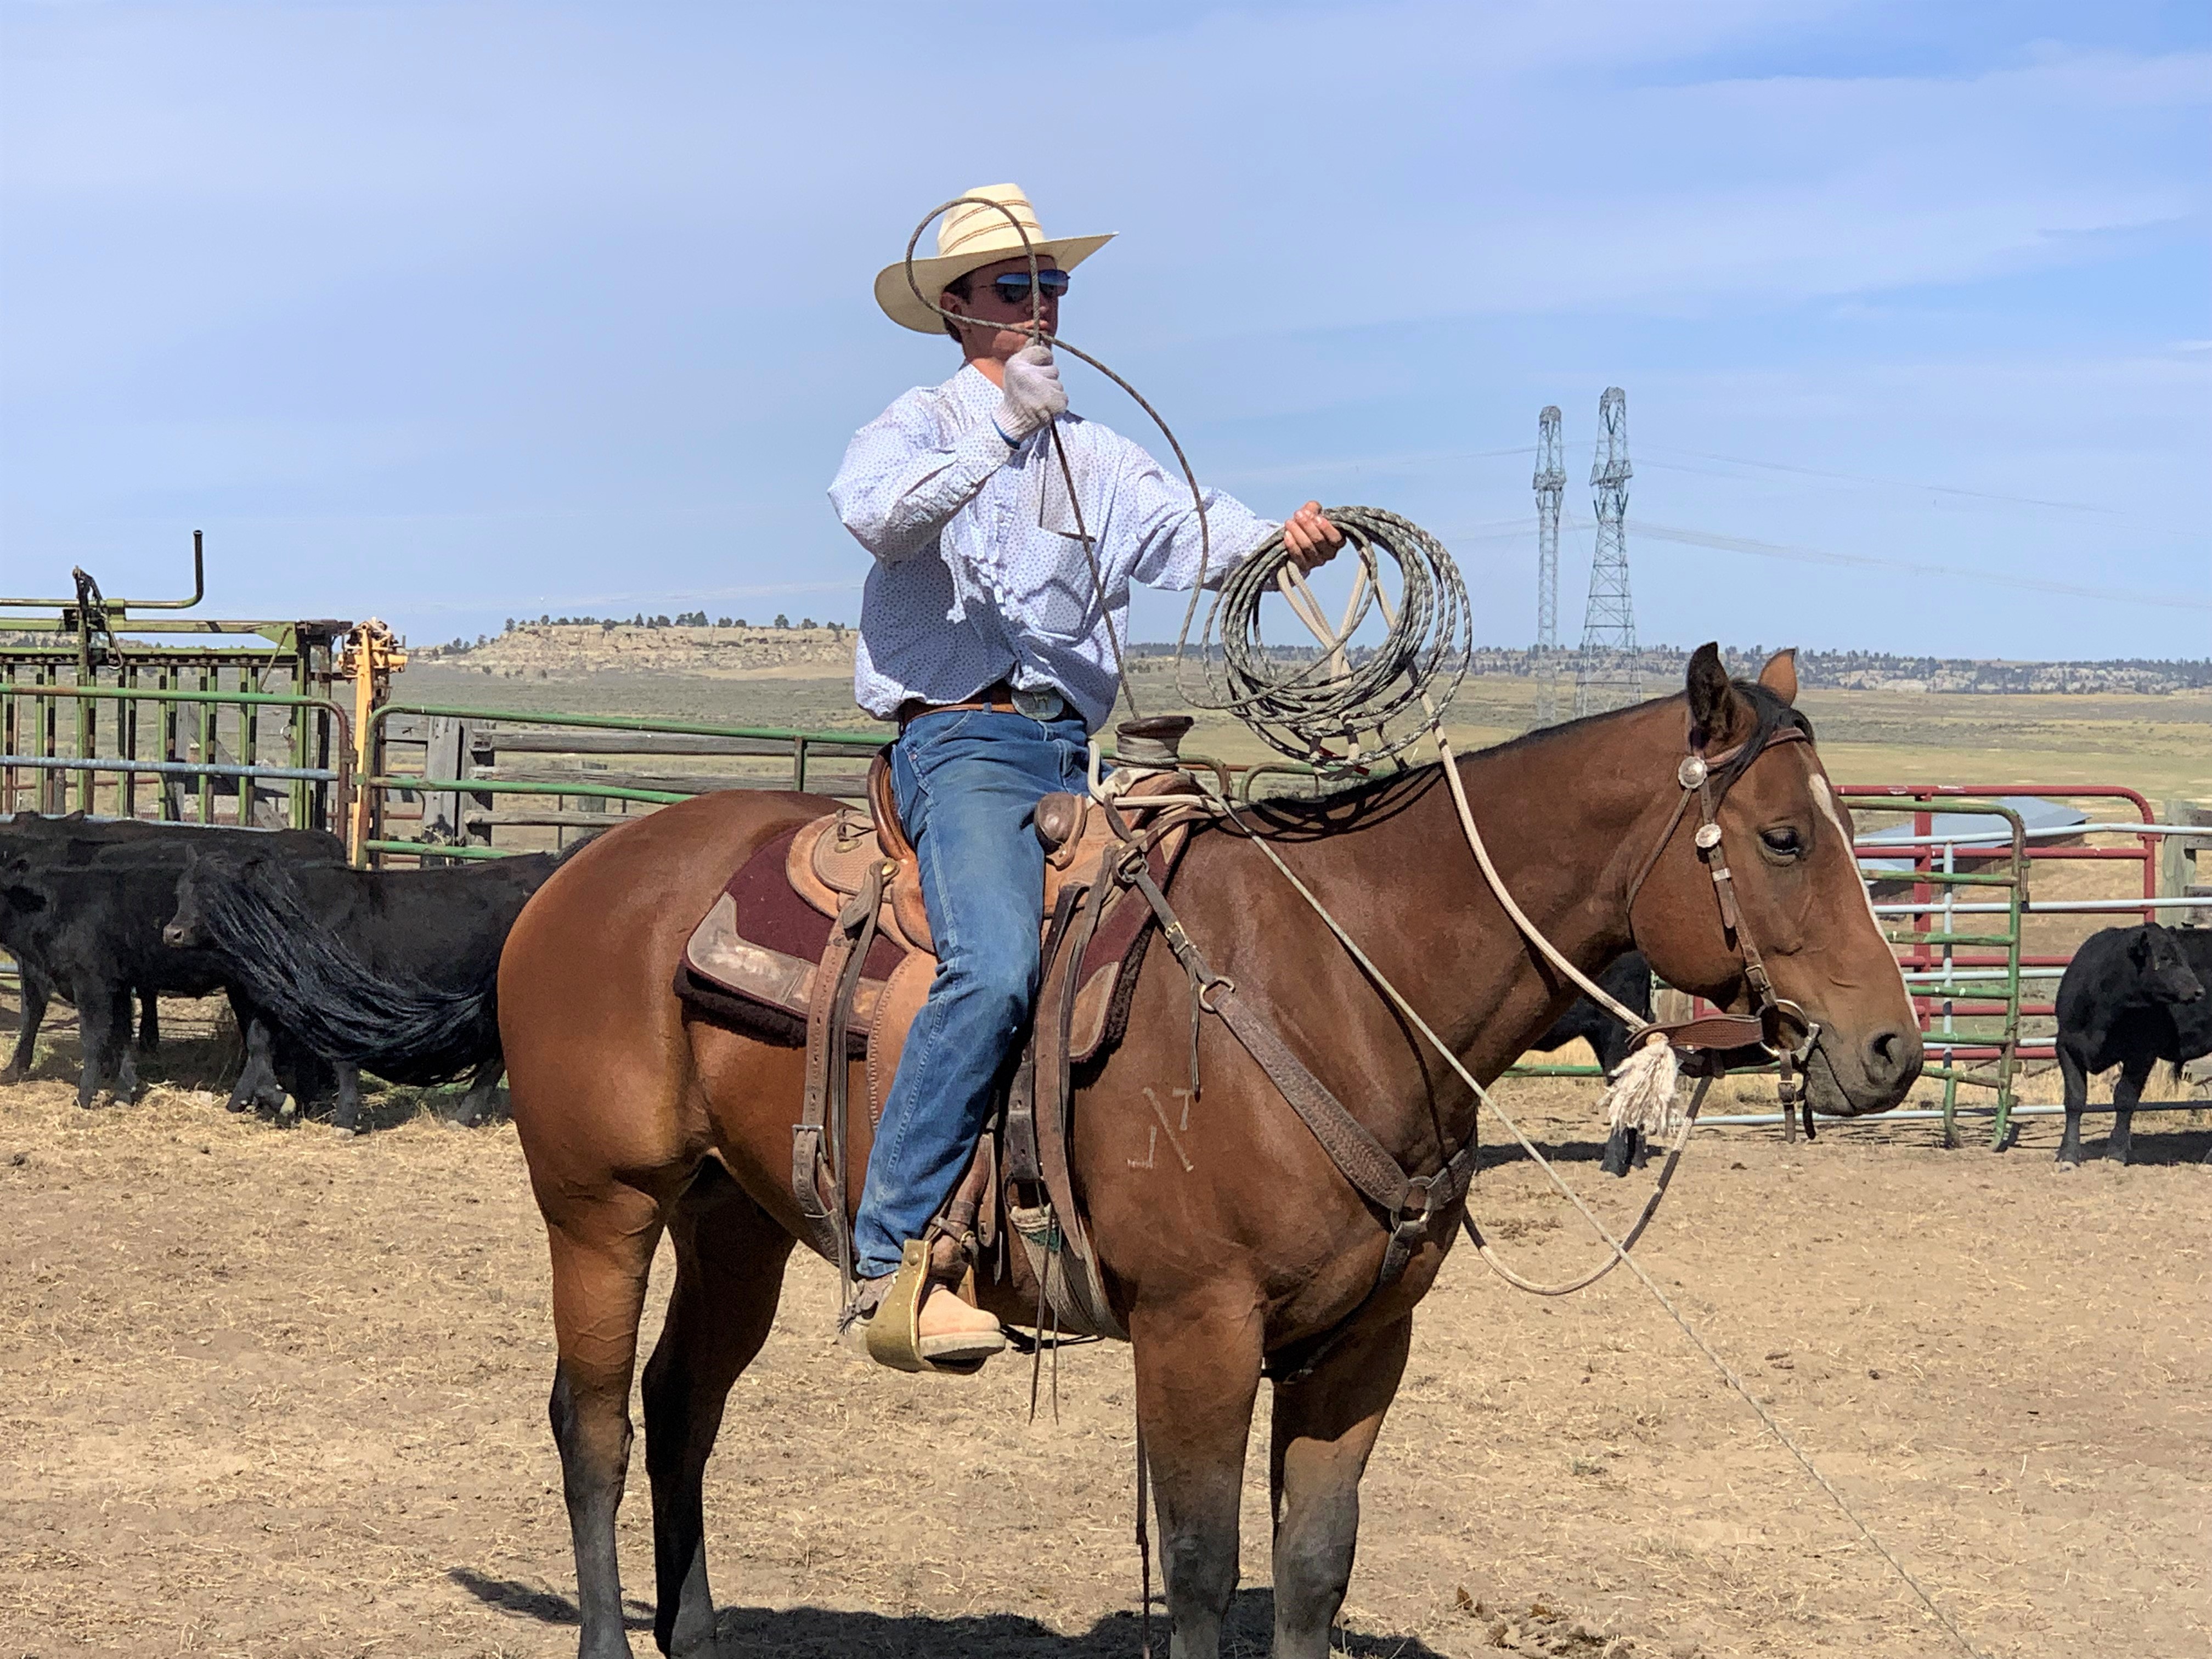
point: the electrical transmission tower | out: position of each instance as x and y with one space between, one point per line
1610 674
1551 485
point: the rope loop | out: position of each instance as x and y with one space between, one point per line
1332 708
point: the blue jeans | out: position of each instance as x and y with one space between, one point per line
968 783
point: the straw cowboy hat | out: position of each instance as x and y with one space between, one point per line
970 237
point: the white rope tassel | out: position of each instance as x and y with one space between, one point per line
1641 1094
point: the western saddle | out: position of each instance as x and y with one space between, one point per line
821 938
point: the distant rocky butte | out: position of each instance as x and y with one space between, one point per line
532 650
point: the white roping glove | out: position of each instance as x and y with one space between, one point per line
1034 393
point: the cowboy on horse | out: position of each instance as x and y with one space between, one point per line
991 633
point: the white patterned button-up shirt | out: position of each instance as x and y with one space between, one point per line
980 575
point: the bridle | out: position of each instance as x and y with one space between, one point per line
1776 1024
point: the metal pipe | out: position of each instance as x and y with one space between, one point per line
521 787
623 723
432 849
116 607
2048 907
281 699
182 769
1994 838
1770 1119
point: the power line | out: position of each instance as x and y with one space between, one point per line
1900 484
1817 556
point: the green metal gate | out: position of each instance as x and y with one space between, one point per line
233 723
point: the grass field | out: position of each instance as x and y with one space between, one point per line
2161 745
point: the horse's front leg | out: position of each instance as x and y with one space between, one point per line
1198 1372
1325 1425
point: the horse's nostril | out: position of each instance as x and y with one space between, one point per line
1890 1052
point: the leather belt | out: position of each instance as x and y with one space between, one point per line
1042 702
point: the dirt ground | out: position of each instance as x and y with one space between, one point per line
265 1390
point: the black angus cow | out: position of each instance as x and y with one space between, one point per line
81 905
2131 996
1628 979
393 970
94 929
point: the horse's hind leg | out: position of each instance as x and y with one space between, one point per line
601 1252
1324 1427
730 1259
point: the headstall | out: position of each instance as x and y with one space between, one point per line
1776 1024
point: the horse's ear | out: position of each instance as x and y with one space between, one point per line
1713 701
1780 675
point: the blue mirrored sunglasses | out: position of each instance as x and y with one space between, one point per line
1014 286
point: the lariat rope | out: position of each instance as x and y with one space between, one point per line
1429 637
1618 1246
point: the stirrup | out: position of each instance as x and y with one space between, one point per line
895 1336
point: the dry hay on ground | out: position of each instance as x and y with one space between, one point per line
272 1392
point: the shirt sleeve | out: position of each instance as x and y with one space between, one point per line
1164 521
900 482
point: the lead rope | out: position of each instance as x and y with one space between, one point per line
1334 642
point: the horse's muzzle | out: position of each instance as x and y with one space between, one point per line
1848 1075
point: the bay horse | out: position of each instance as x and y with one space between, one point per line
638 1117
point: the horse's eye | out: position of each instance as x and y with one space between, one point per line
1784 840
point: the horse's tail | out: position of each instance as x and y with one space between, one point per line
299 972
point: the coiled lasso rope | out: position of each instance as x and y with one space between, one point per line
1335 697
1339 693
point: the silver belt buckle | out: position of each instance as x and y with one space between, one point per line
1039 702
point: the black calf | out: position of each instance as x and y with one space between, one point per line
2131 996
30 843
94 932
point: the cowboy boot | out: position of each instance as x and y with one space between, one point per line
913 1320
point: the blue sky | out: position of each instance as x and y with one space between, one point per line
457 312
